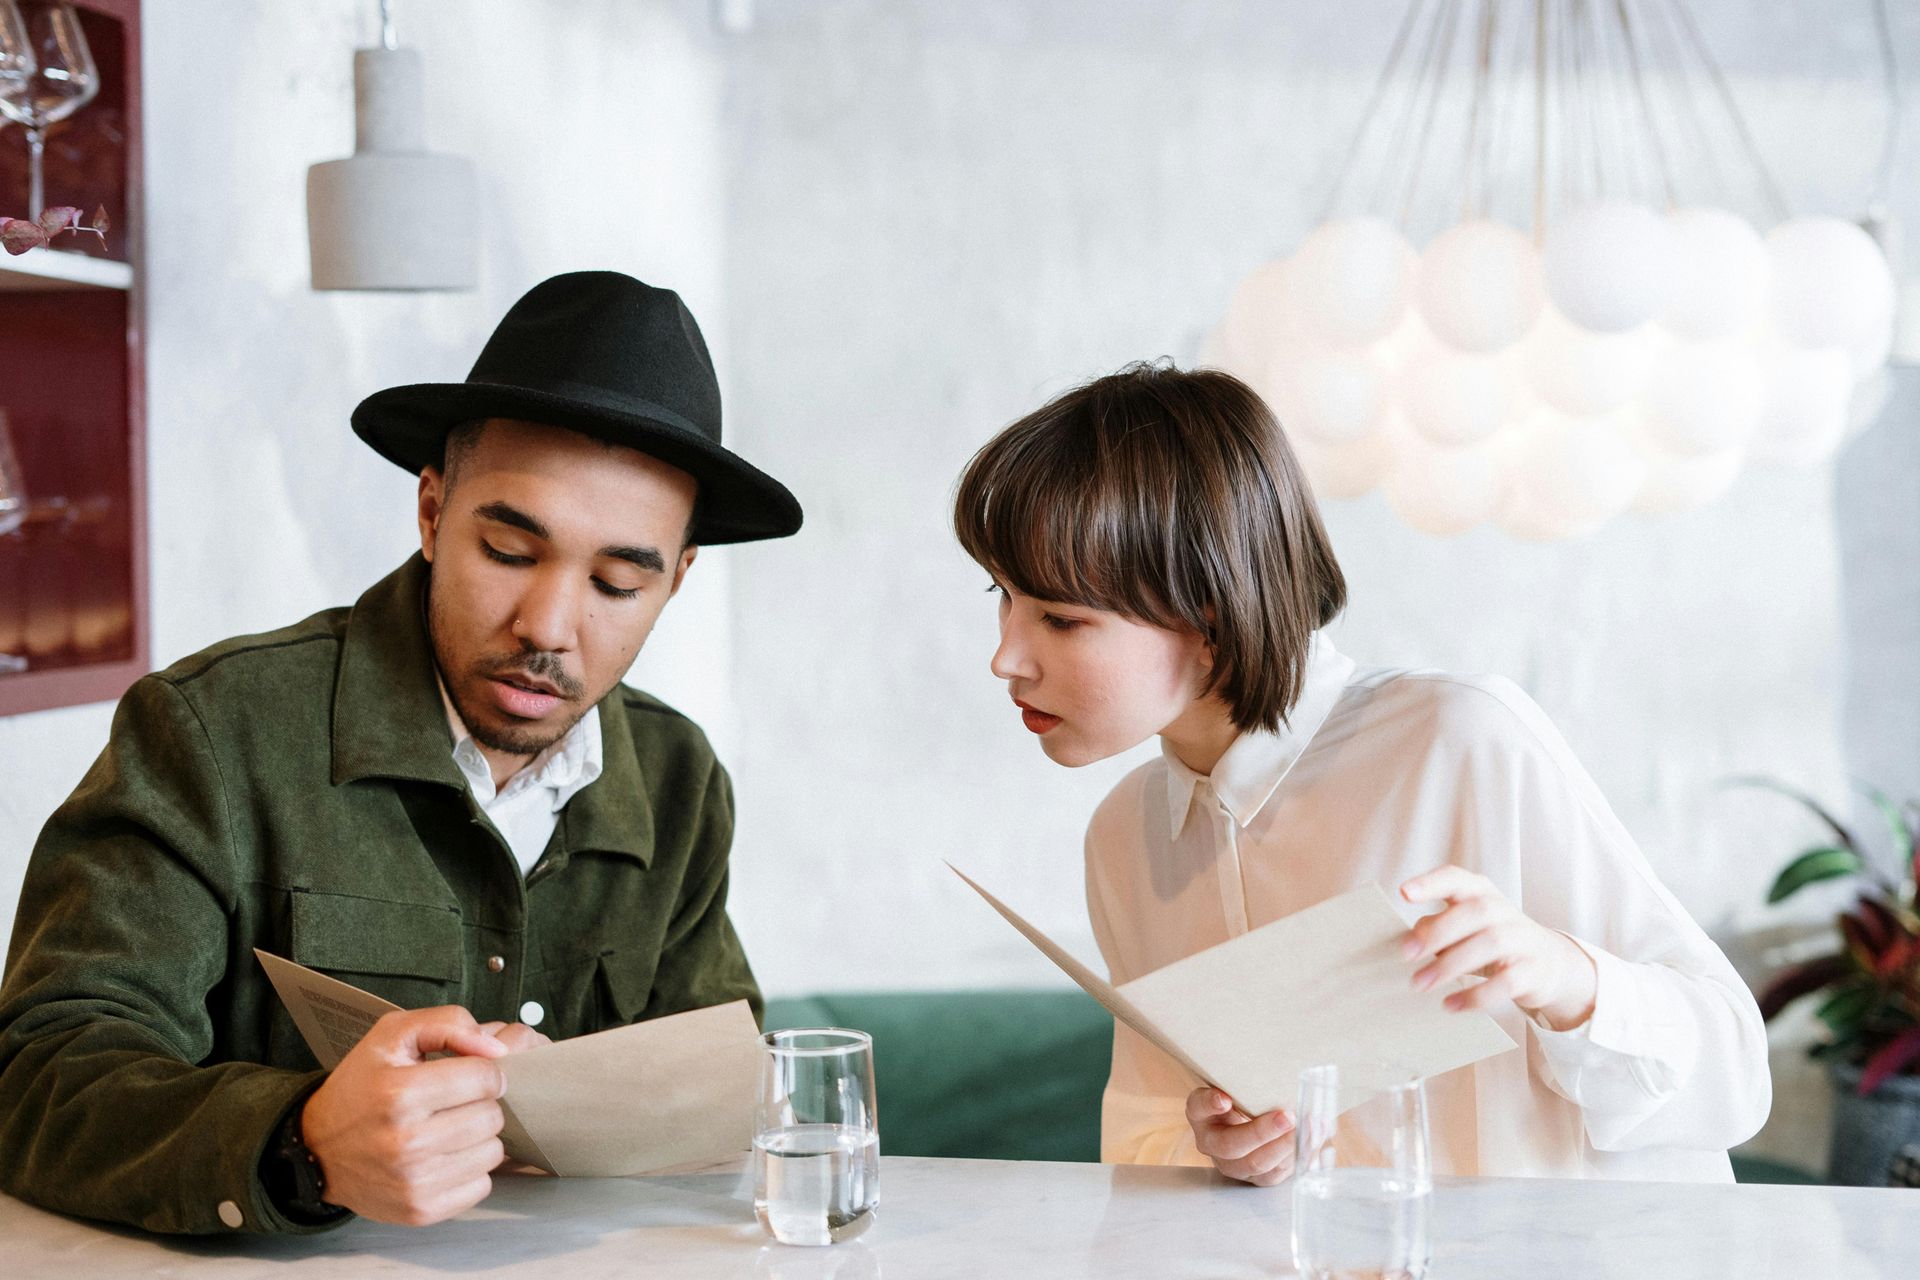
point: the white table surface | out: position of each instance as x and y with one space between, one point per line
1030 1220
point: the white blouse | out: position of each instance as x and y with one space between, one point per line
1382 774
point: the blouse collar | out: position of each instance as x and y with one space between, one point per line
1246 776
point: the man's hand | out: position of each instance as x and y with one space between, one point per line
517 1036
1257 1149
1541 970
401 1139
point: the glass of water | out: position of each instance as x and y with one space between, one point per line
1363 1178
816 1144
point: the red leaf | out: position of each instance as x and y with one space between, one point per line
1890 1059
1802 979
1896 957
1859 936
1882 924
17 235
62 217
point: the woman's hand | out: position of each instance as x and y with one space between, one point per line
1257 1149
1541 970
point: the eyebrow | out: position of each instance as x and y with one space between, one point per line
648 558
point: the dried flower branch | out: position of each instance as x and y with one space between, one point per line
17 235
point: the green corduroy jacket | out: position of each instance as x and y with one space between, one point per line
296 792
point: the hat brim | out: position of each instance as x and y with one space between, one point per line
738 502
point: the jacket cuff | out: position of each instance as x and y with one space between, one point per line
254 1108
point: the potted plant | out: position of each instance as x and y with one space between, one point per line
1868 988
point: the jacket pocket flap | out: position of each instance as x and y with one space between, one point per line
337 931
629 978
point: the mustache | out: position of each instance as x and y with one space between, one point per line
539 664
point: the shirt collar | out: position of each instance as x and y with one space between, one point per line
564 767
1246 776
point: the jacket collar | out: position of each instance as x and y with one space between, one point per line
389 722
1247 775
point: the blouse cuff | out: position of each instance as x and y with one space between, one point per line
1632 1037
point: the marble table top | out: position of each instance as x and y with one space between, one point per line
1032 1220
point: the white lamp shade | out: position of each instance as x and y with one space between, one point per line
1479 286
1831 286
1610 266
394 215
1720 270
1351 280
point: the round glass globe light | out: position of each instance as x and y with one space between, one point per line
1442 491
1720 272
1479 286
1703 398
1581 372
1609 267
1804 399
1831 286
1351 280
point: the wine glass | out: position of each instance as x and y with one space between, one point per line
52 76
17 63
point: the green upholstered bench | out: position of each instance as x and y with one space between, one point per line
1005 1075
997 1075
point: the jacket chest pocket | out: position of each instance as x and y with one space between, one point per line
406 952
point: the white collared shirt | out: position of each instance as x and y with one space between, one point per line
1377 776
527 809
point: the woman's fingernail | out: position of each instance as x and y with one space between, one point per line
1410 948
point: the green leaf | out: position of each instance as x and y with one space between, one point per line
1823 863
1843 1010
1896 821
1818 810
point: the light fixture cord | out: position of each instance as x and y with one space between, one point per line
388 40
1890 138
1772 188
1370 111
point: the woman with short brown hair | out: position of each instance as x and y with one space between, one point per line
1163 571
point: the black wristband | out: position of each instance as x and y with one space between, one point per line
292 1177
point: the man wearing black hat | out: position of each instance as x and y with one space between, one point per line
443 794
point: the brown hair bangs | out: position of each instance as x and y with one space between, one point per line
1171 497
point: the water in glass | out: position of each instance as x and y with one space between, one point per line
816 1145
1363 1178
816 1183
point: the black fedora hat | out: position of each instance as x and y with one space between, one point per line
603 354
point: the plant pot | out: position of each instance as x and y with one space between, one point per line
1868 1131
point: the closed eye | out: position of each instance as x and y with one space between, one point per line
495 554
618 593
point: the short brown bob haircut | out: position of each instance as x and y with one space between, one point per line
1169 496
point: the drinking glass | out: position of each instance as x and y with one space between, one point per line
816 1142
59 78
13 487
1363 1177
